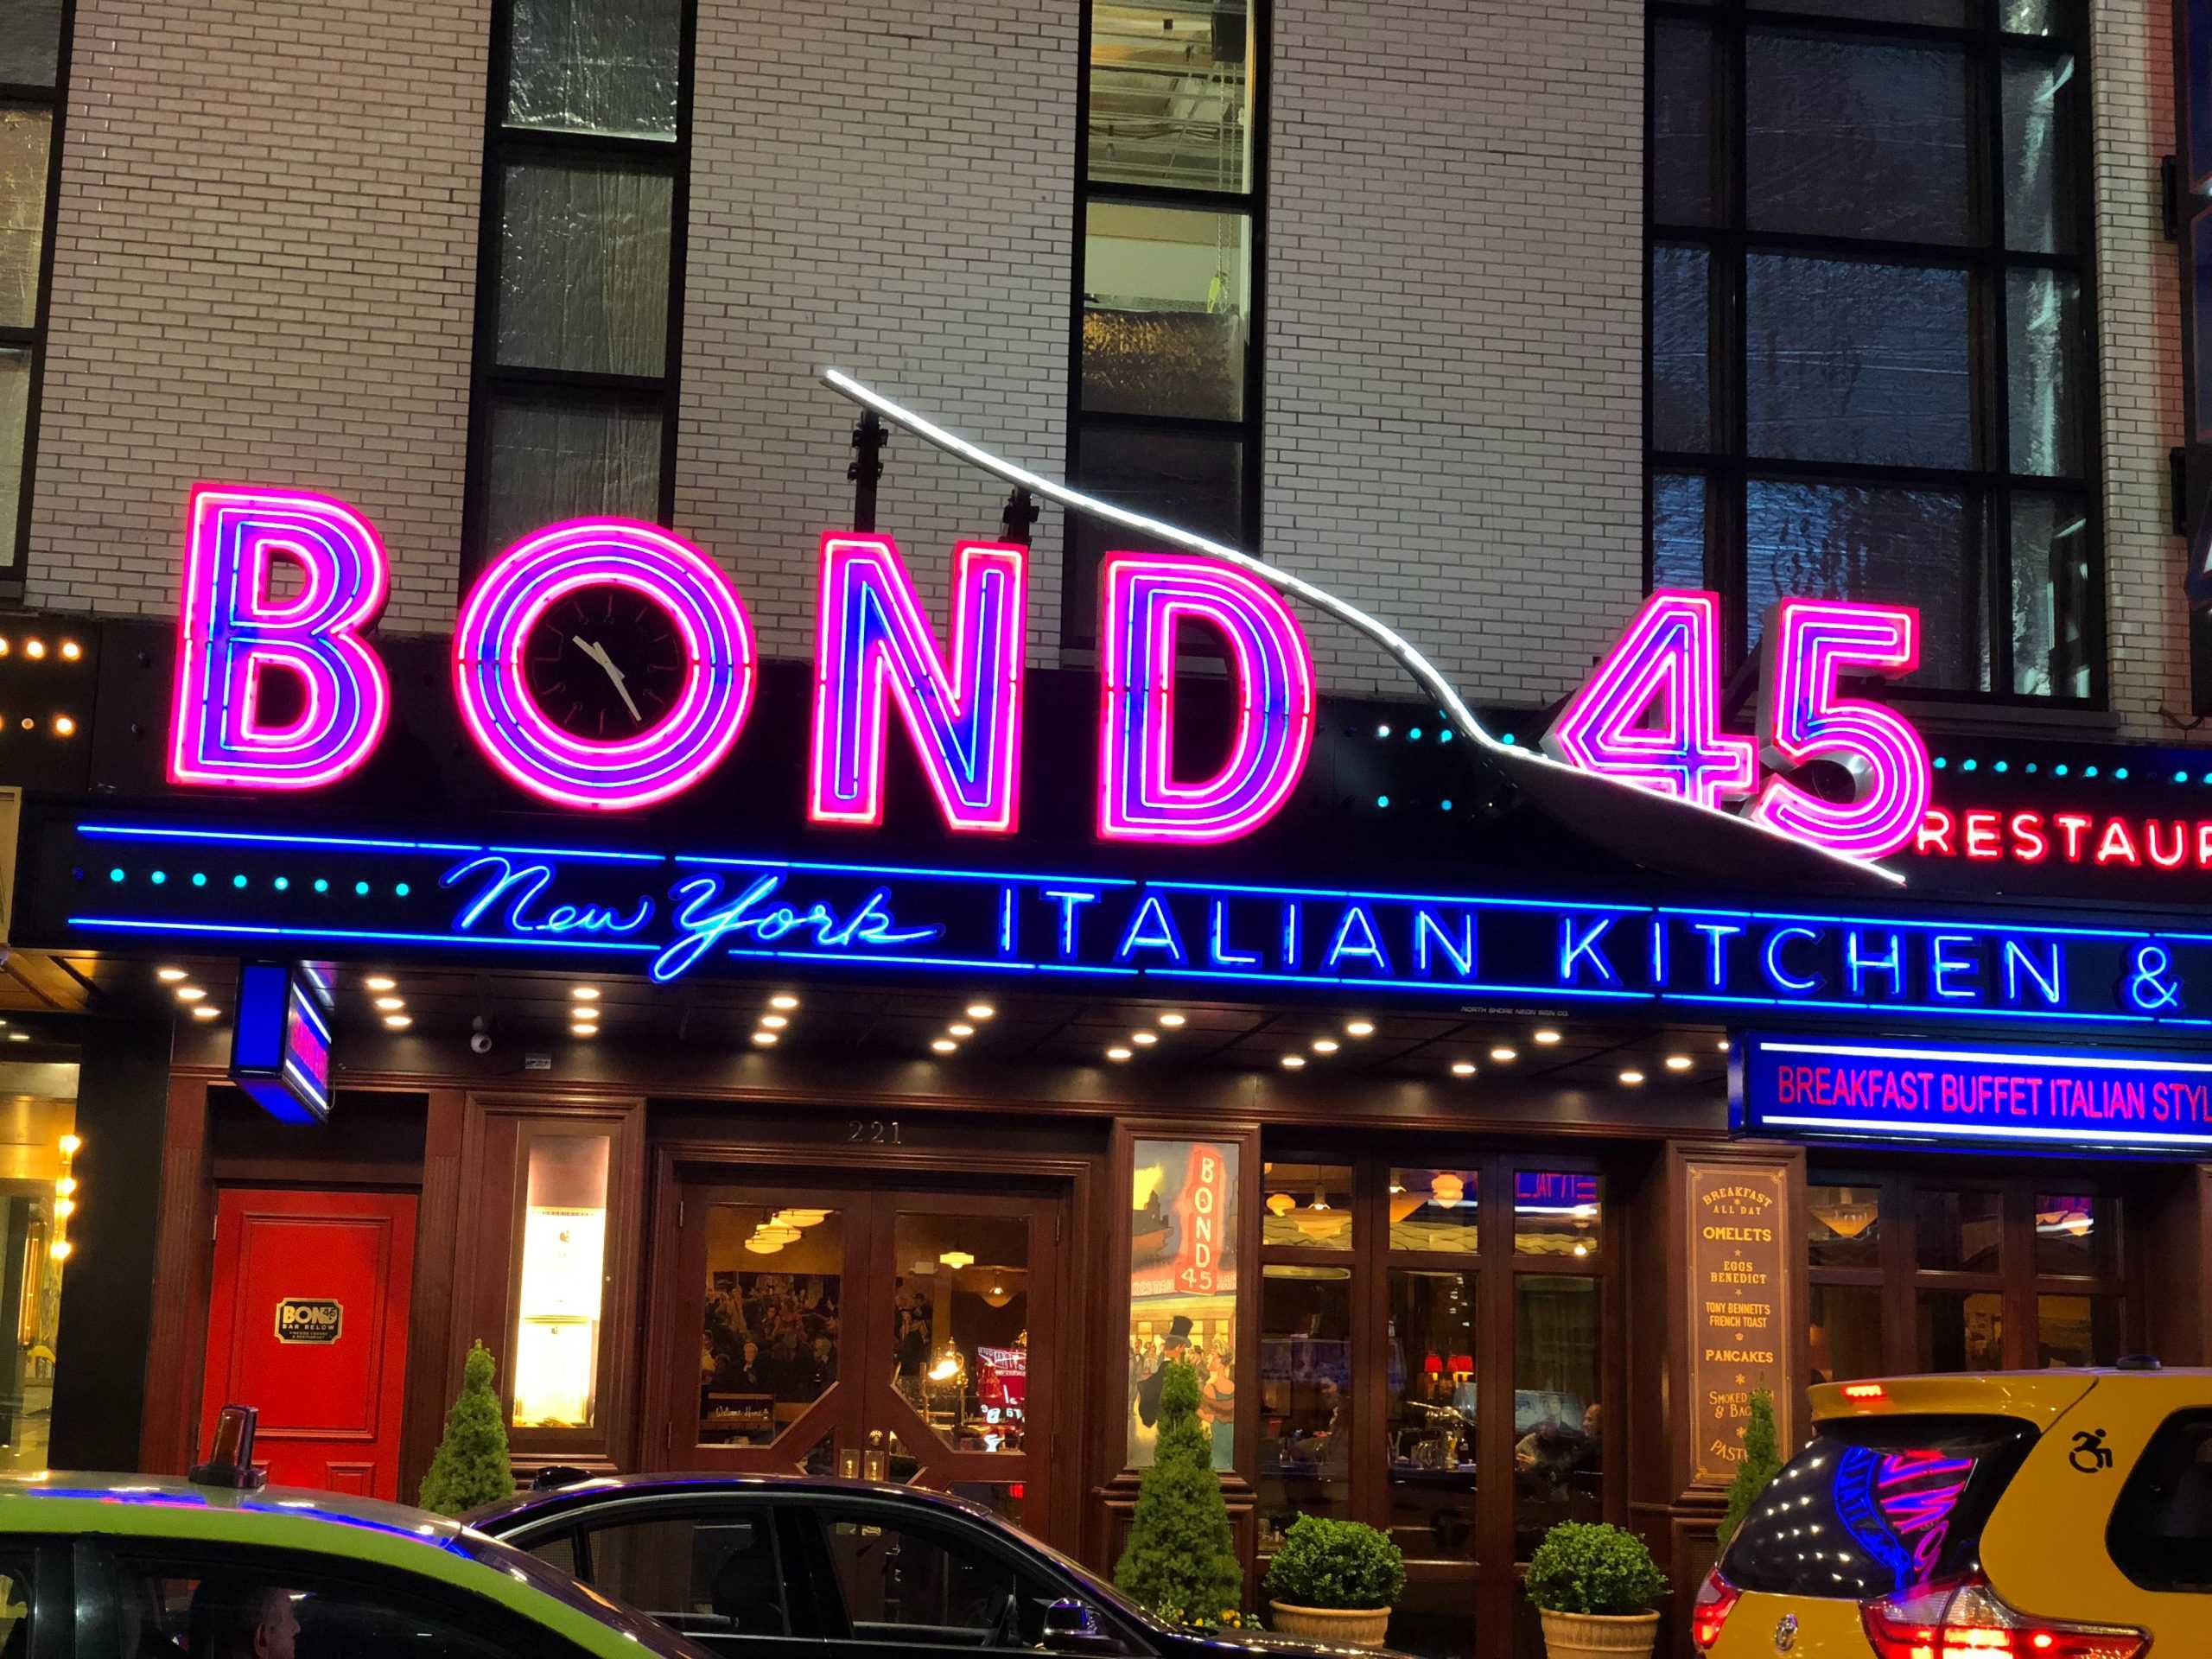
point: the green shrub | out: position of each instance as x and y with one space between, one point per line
1592 1567
471 1467
1181 1560
1343 1564
1762 1463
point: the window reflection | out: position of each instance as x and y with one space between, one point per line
2068 1238
1432 1423
1961 1232
1170 94
960 1318
1556 1212
1847 1334
769 1343
1309 1207
1962 1330
1843 1226
1435 1210
1166 299
1306 1379
1558 1420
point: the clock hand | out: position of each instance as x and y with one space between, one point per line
597 652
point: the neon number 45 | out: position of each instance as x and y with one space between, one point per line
1650 716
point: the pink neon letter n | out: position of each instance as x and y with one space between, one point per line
1146 597
874 647
234 633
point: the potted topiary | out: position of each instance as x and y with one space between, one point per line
1335 1581
1762 1463
471 1467
1594 1584
1181 1560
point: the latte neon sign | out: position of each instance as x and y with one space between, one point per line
1649 716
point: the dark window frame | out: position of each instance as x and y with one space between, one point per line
489 382
14 556
1079 578
1988 486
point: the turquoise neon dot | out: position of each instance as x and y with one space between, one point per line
160 876
238 880
401 889
361 889
2120 772
1380 800
1968 766
2032 768
2001 767
199 878
322 886
1509 740
2088 771
1413 736
1444 736
2181 776
1383 731
2060 769
1447 807
283 884
1942 762
115 875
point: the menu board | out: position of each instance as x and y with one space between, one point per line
1739 1324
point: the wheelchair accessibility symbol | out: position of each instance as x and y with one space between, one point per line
2090 1454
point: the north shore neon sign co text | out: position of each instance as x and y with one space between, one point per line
1649 715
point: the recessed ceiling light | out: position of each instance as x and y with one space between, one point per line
1326 1045
380 983
1173 1021
979 1010
773 1022
204 1011
1144 1038
1292 1062
584 1028
944 1045
189 993
1631 1078
169 975
391 1004
398 1021
1502 1053
1463 1068
765 1040
1119 1052
584 993
961 1028
1546 1036
1678 1062
1722 1044
1359 1027
783 1001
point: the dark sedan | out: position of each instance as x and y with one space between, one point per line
758 1566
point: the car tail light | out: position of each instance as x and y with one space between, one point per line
1865 1391
1963 1618
1716 1599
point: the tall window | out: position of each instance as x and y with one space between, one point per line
1870 364
580 290
1170 219
34 74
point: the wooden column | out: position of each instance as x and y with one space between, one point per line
181 1232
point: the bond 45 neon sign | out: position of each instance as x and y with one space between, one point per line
959 705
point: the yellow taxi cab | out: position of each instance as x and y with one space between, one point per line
2041 1514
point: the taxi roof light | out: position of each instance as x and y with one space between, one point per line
230 1460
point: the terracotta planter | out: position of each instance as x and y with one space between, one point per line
1599 1636
1351 1627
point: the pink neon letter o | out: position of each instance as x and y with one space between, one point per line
514 732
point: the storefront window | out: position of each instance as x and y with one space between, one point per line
1846 1332
1958 1232
1962 1330
1182 1285
1435 1210
2078 1330
1556 1212
1559 1422
2068 1239
960 1325
1306 1383
1432 1383
769 1342
1165 311
1843 1226
38 1202
564 1281
1309 1207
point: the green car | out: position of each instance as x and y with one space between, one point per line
124 1567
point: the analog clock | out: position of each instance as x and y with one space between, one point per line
604 663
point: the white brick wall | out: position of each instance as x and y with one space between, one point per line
266 266
265 272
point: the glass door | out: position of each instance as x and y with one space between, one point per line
881 1334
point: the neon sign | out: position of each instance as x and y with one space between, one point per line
1668 660
1880 1089
1997 835
874 648
713 910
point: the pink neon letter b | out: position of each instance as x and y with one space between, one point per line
233 633
874 647
1146 598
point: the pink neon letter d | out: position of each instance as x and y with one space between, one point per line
232 633
1146 598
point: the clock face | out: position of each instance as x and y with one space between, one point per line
604 663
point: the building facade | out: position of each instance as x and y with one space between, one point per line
892 1097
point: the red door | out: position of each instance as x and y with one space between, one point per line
308 1322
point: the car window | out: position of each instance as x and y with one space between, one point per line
14 1606
1876 1505
558 1552
707 1570
2161 1530
898 1580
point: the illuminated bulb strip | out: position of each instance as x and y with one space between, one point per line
874 645
232 634
1423 672
668 572
1145 601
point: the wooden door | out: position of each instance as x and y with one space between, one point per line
307 1322
880 1332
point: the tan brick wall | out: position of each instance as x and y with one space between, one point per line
265 271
